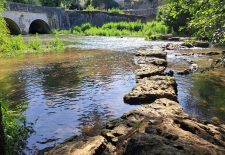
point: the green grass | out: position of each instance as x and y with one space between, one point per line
149 30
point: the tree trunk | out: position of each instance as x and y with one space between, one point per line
2 141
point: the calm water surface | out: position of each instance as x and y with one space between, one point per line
74 92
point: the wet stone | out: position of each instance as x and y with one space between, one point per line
150 60
149 89
149 70
152 53
89 146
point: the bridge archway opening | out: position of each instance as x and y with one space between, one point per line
39 26
12 26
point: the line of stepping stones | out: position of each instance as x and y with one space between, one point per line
151 84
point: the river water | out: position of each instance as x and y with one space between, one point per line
74 92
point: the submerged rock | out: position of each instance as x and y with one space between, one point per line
152 53
149 70
171 46
90 146
184 72
152 88
150 60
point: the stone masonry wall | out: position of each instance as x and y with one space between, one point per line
98 18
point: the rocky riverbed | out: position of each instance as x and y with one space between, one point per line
159 126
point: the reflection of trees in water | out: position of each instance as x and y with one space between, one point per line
92 118
59 76
77 82
209 93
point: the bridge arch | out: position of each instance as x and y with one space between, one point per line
12 26
39 26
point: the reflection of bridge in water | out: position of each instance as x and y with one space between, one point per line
25 19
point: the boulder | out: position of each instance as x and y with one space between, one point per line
202 44
149 70
167 36
150 89
90 146
152 53
174 39
168 137
171 46
150 60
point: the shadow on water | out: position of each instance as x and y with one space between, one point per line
69 94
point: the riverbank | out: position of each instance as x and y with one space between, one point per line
158 126
150 30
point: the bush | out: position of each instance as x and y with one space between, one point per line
115 10
56 44
14 127
35 44
85 26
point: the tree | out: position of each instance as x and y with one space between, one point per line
190 17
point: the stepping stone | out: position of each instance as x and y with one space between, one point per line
149 70
149 89
150 60
152 53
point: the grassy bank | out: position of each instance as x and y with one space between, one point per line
149 30
14 45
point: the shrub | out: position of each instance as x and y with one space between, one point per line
14 127
85 26
56 44
35 44
115 10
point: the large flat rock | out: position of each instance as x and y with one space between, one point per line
162 127
152 53
150 60
149 70
149 89
90 146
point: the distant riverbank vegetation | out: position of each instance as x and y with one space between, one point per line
149 30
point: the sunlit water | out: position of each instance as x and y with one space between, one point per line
74 92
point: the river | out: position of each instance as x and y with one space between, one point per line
74 92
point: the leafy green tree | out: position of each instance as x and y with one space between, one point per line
190 17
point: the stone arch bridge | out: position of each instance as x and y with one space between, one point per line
25 19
